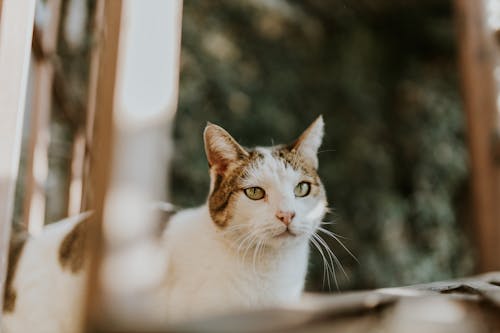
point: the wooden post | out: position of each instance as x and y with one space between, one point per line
37 157
16 28
478 59
134 116
146 101
100 137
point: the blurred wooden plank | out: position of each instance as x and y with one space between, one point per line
16 27
146 101
100 140
478 58
444 306
44 39
94 74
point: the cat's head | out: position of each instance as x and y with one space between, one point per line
271 195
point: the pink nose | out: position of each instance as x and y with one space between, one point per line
285 217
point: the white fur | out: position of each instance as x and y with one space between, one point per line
48 298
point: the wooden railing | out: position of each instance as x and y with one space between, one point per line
132 97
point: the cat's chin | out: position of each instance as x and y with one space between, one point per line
287 238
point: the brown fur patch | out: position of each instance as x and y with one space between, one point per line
291 157
295 160
72 249
15 250
226 185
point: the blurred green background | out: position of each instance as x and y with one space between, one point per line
384 75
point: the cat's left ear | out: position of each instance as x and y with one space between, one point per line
310 140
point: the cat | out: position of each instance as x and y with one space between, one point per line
247 247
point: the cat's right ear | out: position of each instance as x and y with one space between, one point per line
308 143
221 148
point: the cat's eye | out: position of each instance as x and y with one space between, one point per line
302 189
254 193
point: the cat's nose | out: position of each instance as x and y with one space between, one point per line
285 217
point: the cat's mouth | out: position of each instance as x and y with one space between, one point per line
286 233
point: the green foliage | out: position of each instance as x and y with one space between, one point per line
383 74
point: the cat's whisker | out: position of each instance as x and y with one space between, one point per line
335 258
262 251
336 237
244 240
333 233
328 223
234 228
329 268
326 277
329 255
241 239
326 151
253 240
247 240
233 232
255 237
329 210
255 255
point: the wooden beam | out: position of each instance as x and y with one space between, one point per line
478 58
16 28
137 117
146 101
100 141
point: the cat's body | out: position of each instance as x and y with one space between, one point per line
246 248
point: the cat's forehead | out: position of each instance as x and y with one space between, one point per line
278 162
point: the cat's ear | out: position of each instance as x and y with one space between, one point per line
221 148
310 140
